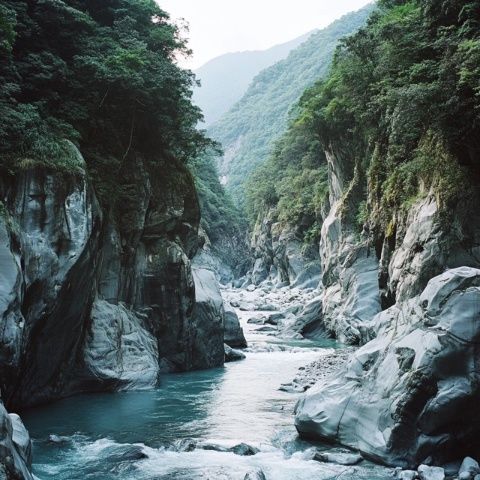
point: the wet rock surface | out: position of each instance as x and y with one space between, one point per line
232 355
15 447
90 301
398 397
233 335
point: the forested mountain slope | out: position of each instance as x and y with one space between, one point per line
249 130
226 78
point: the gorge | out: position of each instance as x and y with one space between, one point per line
292 294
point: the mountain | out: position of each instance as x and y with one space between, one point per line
225 79
249 130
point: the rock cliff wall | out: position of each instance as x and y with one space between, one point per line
410 395
410 296
99 300
281 256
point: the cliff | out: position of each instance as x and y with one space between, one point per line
398 232
90 303
400 245
99 214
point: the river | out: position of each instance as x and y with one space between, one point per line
100 436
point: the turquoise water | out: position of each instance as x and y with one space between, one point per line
238 403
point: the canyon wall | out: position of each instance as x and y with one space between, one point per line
94 301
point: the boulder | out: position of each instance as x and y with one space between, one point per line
407 475
266 329
257 320
246 306
124 453
244 450
308 322
232 355
426 472
208 321
275 318
233 332
119 351
185 445
266 307
470 466
255 475
412 392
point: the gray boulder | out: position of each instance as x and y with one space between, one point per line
407 475
124 453
257 320
233 333
308 322
470 466
208 321
244 450
412 392
15 447
119 350
255 475
426 472
232 355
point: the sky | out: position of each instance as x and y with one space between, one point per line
221 26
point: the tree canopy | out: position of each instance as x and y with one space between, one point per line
101 74
401 104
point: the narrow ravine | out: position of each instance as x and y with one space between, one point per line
183 429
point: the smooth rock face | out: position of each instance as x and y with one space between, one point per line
21 439
233 335
119 351
412 392
351 293
92 301
54 242
367 271
208 321
15 447
281 257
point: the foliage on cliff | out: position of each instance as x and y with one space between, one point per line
294 180
400 108
220 217
250 129
100 73
404 96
